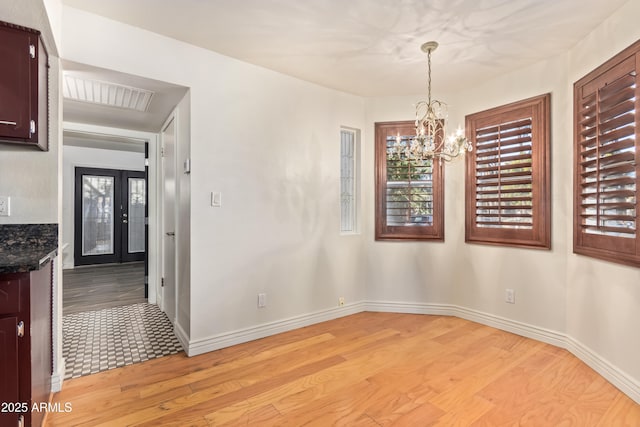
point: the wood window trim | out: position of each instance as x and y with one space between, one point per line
434 232
621 250
539 235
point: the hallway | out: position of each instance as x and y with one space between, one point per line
108 323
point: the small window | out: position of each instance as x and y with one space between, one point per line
409 193
507 179
606 161
349 181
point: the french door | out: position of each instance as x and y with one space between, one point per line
109 216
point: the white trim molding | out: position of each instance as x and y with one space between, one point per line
227 339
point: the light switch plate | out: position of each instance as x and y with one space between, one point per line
216 199
5 205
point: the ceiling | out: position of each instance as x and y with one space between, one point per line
371 47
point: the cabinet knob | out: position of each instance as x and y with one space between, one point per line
21 329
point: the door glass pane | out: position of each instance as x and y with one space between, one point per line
136 214
97 215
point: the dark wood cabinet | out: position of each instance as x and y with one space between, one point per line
23 87
9 369
25 345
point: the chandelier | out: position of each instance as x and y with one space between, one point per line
431 140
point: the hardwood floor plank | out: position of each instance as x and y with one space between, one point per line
465 412
622 412
369 369
206 377
592 404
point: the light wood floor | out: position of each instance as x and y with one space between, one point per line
96 287
369 369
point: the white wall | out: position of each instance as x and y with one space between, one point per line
270 144
94 158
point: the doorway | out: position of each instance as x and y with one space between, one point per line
109 216
107 320
116 130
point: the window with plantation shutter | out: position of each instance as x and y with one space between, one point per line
507 177
606 103
409 193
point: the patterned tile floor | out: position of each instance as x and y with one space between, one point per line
96 341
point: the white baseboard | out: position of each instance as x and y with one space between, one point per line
227 339
57 378
408 307
613 374
526 330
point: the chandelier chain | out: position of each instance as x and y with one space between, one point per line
429 75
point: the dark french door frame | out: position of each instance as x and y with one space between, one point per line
120 217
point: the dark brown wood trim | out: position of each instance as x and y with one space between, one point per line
434 232
539 236
619 250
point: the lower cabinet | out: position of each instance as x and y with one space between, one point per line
25 346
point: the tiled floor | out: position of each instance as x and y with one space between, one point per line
95 287
95 341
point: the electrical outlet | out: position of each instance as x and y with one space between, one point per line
510 296
5 205
341 301
262 300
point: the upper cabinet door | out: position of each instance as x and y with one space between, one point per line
18 61
23 87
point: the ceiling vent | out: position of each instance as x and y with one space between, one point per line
105 93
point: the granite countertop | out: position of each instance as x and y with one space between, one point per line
26 247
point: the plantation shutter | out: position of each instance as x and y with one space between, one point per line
507 191
409 194
504 178
606 135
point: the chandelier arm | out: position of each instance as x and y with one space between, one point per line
446 156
